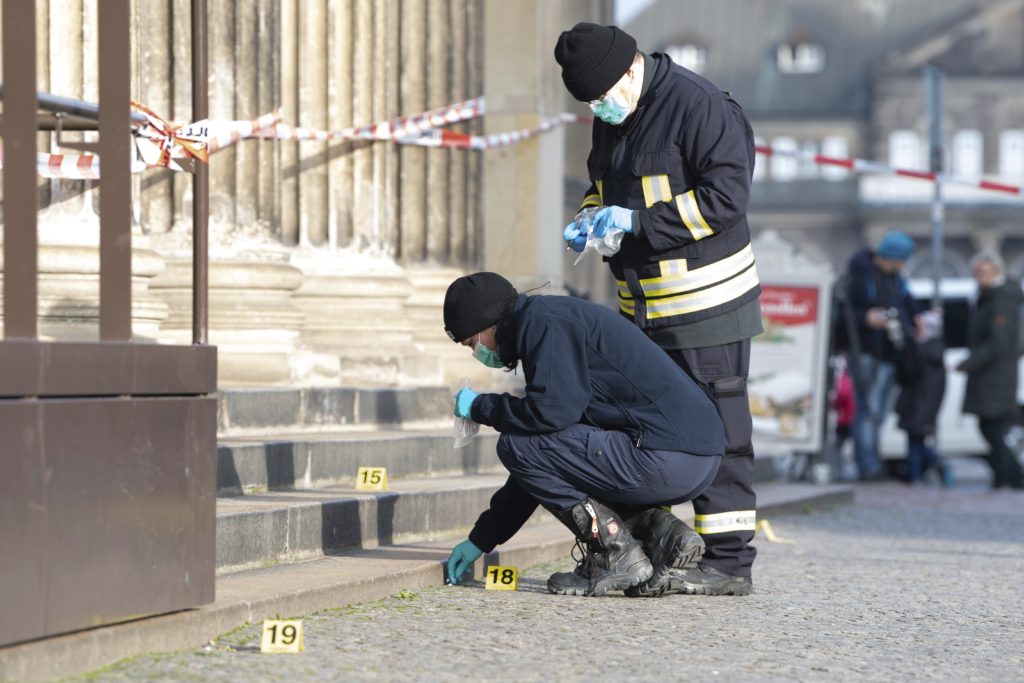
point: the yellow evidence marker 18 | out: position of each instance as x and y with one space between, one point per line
280 636
372 479
502 579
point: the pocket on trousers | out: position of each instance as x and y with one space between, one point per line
613 459
730 397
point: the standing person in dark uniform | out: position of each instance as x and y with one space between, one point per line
670 169
991 368
609 430
885 315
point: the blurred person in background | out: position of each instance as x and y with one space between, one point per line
922 379
994 345
884 315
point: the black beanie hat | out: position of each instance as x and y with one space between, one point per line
593 58
475 302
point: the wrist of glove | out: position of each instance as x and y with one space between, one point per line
612 217
462 558
464 403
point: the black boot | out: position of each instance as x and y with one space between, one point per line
705 580
612 558
668 542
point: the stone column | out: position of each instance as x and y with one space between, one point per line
474 162
362 113
289 151
312 113
438 56
523 184
339 112
152 56
222 106
457 186
247 46
268 95
413 92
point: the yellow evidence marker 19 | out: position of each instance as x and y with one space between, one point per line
502 579
280 636
372 479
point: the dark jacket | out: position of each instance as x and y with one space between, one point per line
992 340
683 161
585 364
923 383
869 287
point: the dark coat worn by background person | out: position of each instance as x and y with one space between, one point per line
923 384
869 287
993 342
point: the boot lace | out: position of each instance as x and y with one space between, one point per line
583 556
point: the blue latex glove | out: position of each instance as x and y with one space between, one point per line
462 558
575 237
464 402
612 217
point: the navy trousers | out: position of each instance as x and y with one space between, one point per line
725 512
562 468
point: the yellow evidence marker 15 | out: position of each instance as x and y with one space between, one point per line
502 579
372 479
280 636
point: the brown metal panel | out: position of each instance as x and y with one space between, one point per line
201 179
29 368
23 514
115 150
19 138
128 509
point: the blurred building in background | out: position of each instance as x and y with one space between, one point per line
844 79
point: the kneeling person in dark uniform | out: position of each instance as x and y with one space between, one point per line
609 431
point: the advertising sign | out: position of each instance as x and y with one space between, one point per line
787 366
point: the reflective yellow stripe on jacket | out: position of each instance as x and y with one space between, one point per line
594 199
657 189
724 522
680 290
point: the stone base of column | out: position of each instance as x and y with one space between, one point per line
357 332
425 309
252 319
69 293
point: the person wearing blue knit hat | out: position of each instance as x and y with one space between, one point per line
885 315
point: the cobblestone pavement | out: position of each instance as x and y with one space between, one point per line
906 584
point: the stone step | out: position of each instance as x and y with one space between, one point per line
357 576
289 526
261 411
263 529
286 461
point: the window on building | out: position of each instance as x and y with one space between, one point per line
1011 154
800 57
784 167
967 153
760 162
905 150
690 55
837 147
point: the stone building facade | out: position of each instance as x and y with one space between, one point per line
329 260
844 79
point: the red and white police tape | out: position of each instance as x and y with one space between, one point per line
160 144
865 166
